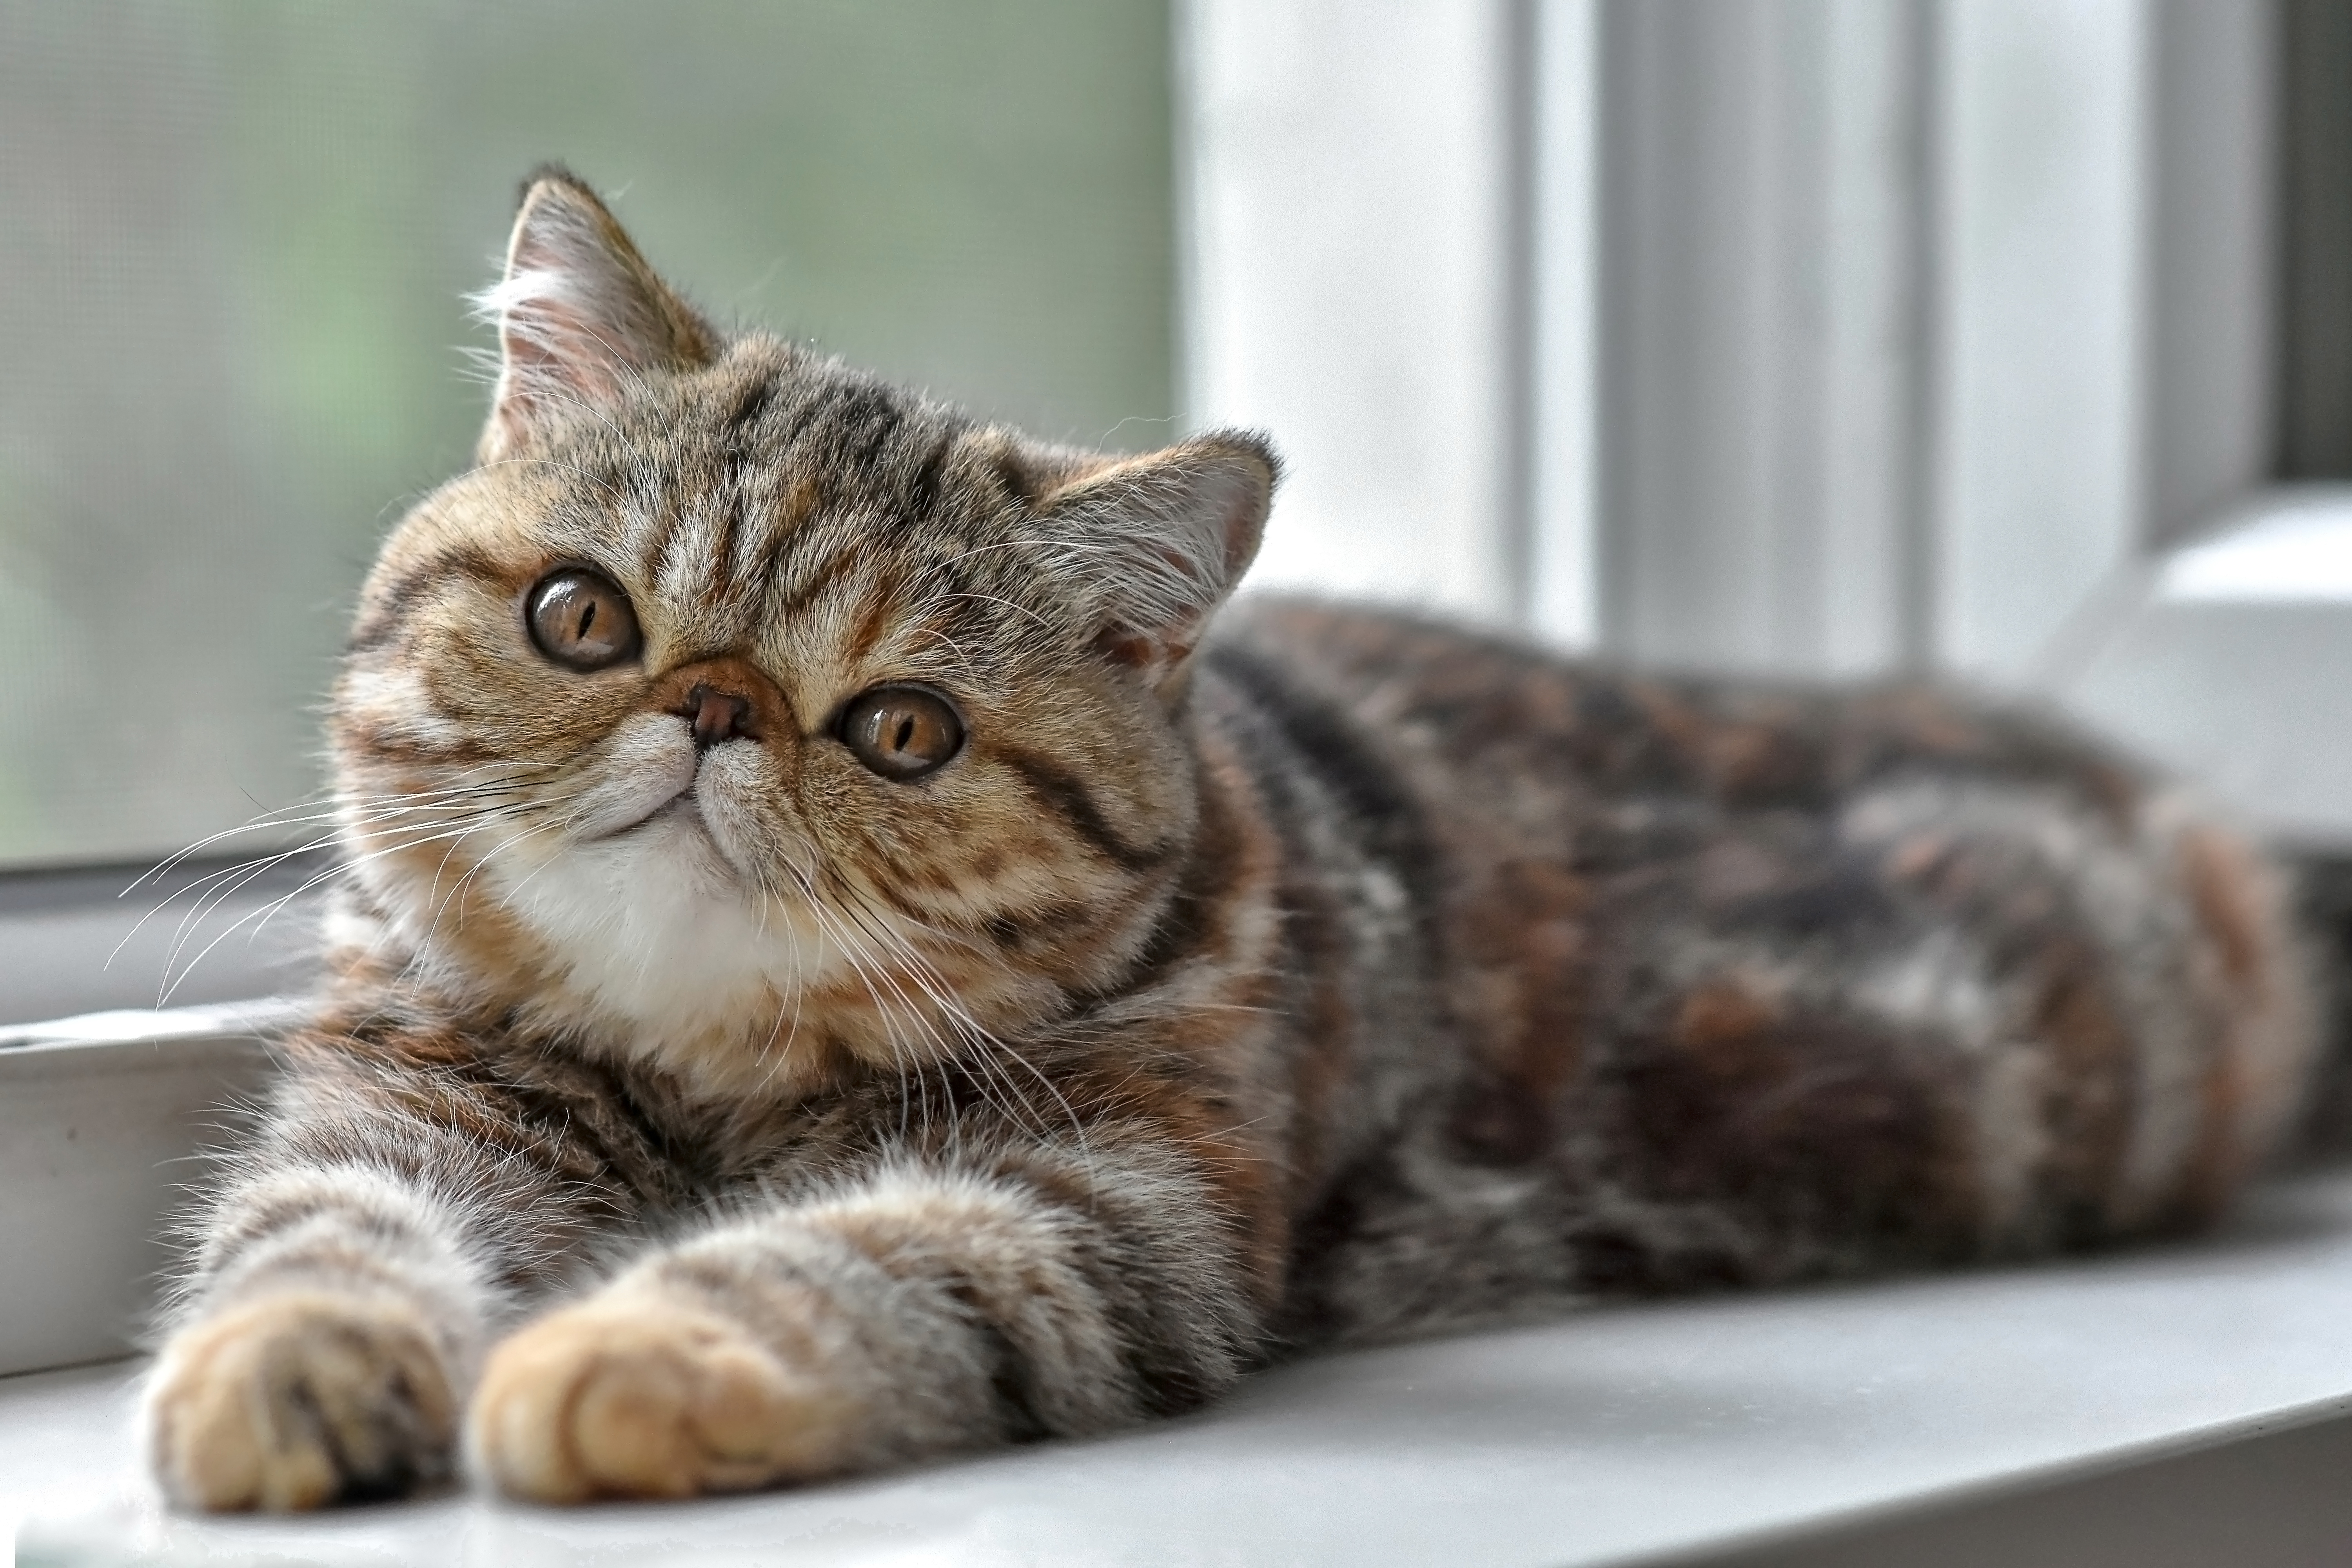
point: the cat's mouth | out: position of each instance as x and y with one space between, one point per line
686 809
685 806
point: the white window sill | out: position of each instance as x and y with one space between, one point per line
103 1123
1738 1429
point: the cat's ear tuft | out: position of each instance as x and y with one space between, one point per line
1163 538
578 313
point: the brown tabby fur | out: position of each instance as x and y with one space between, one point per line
1338 976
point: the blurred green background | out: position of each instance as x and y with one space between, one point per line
234 239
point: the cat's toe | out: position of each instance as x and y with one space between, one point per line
296 1401
643 1397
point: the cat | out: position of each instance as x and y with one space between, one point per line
840 963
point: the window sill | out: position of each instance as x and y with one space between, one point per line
104 1120
1913 1421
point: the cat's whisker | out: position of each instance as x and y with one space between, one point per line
976 596
259 918
481 863
867 974
273 910
214 898
207 893
954 646
329 807
198 890
791 1036
507 897
808 900
942 993
939 1052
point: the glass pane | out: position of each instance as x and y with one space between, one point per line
233 242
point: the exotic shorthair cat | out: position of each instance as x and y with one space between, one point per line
841 963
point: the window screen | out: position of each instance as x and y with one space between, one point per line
233 242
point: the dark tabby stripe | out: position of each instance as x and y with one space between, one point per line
1069 800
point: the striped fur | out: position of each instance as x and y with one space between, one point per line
1335 977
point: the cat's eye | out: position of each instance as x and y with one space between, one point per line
581 621
902 732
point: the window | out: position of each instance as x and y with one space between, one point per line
233 339
234 240
1817 338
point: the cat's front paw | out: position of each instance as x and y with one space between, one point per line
298 1400
638 1396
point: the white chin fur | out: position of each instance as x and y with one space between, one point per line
649 899
657 929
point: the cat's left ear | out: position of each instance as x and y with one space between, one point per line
579 312
1163 538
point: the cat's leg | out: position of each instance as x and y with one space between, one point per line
922 1311
345 1289
328 1358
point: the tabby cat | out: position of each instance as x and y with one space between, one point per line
840 963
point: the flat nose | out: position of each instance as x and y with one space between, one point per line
716 715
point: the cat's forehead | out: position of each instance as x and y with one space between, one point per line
782 504
774 433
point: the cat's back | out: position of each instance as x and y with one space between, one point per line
1498 728
1814 978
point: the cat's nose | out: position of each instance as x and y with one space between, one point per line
717 715
727 697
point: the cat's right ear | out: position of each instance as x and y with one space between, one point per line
579 312
1156 542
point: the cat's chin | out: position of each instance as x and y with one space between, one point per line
686 830
658 928
680 826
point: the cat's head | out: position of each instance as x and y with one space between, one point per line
743 710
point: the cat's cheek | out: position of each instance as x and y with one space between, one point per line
639 1396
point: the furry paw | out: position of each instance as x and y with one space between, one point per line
296 1401
638 1396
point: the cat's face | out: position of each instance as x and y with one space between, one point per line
742 711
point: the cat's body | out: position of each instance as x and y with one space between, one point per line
972 1006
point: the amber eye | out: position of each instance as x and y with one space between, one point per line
581 621
902 732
